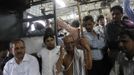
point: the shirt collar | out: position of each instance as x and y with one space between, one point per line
24 59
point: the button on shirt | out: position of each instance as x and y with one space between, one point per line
96 44
28 66
49 59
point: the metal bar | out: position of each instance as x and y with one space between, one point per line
55 25
80 19
38 18
75 5
39 2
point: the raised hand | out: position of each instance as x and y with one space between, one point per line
60 60
62 52
84 42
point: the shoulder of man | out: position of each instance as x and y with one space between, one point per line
31 57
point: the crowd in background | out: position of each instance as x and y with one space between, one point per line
101 48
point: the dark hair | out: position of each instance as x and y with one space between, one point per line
38 26
75 23
48 33
88 17
99 17
14 41
117 7
129 32
125 18
3 46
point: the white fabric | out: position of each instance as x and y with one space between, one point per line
99 30
123 65
28 66
49 58
79 63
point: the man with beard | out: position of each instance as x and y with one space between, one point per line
73 61
22 63
124 64
98 47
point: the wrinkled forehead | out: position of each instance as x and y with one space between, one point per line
68 38
17 43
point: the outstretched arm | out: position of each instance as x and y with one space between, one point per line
72 30
87 53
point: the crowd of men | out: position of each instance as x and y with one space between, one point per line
103 48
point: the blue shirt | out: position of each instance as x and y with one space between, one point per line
96 44
128 10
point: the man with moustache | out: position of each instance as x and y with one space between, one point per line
22 63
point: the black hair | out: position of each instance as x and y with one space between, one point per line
48 33
38 26
3 47
99 17
16 40
129 32
125 18
117 7
75 23
88 17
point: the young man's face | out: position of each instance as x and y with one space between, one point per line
116 15
127 44
50 43
102 21
19 50
89 25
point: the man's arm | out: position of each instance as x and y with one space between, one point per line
60 61
64 25
72 30
87 53
128 10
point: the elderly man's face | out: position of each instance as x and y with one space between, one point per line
127 44
19 50
69 43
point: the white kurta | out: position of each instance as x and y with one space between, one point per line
28 66
49 58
